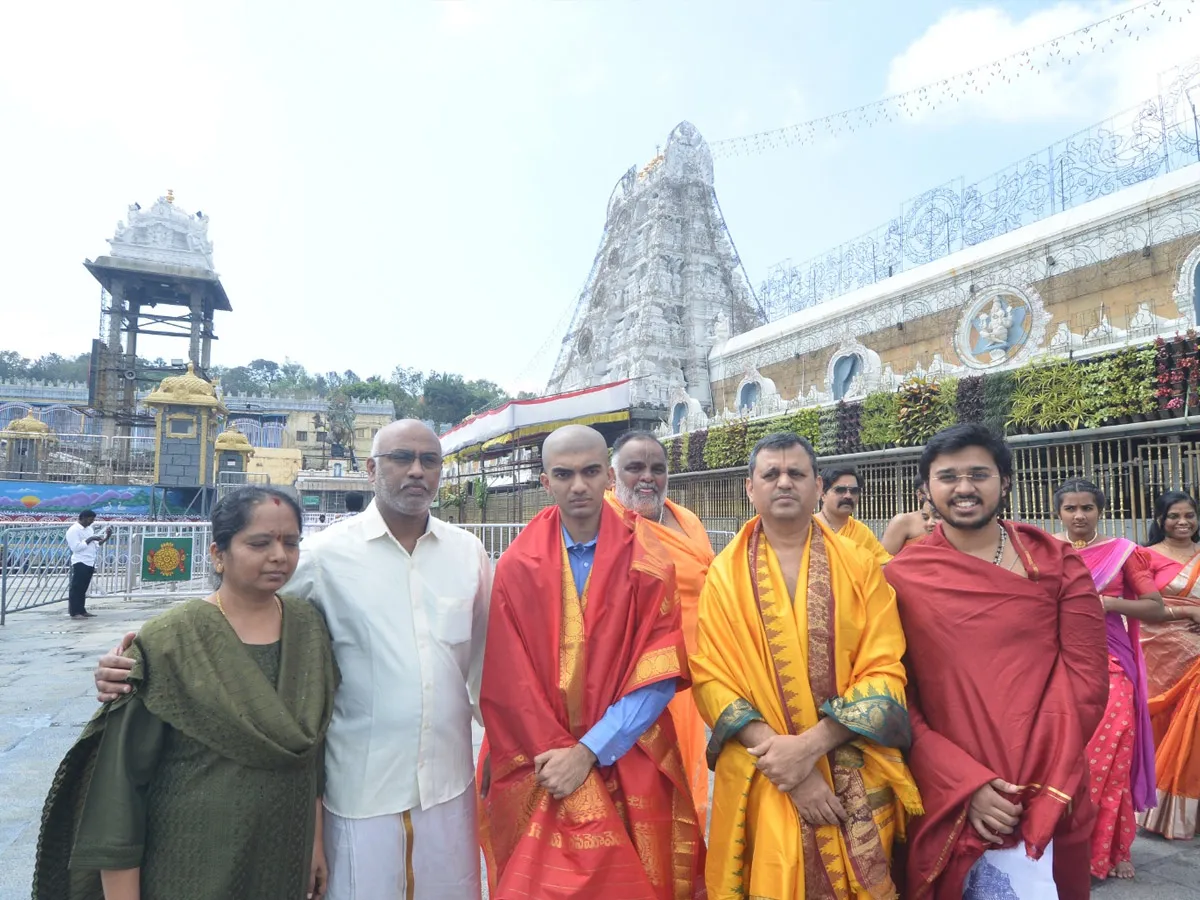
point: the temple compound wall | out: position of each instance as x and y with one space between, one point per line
1119 270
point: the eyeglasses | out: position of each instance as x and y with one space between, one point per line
842 490
978 477
405 458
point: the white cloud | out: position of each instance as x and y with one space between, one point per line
1093 83
111 66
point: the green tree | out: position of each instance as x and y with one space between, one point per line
486 394
406 391
238 380
295 381
54 367
374 388
265 372
448 399
13 365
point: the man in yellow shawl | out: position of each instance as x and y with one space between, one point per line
841 491
798 672
639 479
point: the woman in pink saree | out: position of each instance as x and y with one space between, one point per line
1121 754
1172 653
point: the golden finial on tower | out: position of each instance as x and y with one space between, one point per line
170 196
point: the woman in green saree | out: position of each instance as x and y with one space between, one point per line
203 781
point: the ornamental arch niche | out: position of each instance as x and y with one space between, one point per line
686 412
756 394
678 414
1187 289
853 371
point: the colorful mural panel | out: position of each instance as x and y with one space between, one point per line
37 499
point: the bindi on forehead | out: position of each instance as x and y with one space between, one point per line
275 500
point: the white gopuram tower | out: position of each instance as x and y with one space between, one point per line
665 286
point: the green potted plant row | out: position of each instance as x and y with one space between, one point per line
1130 385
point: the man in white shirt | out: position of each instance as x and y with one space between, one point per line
406 600
83 544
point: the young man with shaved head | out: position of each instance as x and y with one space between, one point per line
406 600
583 787
799 675
639 480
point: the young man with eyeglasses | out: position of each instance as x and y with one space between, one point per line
406 600
1008 679
839 502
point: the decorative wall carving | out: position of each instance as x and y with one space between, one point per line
1079 253
1187 290
1001 326
853 371
686 413
164 233
1156 137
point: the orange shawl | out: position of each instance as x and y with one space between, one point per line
692 554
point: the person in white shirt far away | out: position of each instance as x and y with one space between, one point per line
84 544
406 599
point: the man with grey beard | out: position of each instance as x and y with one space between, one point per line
406 599
639 479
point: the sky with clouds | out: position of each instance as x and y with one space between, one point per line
423 183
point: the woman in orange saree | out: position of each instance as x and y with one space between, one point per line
1121 752
1172 653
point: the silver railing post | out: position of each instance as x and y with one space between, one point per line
3 575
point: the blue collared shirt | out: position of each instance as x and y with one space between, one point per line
627 719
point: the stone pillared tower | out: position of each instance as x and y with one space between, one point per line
665 285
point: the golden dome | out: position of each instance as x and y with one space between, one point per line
650 167
188 389
28 427
232 439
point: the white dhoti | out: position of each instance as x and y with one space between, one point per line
430 854
1011 875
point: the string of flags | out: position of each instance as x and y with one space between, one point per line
1097 37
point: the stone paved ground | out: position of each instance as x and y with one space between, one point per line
46 697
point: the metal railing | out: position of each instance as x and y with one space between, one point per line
85 459
1133 464
35 564
1132 467
314 522
495 538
